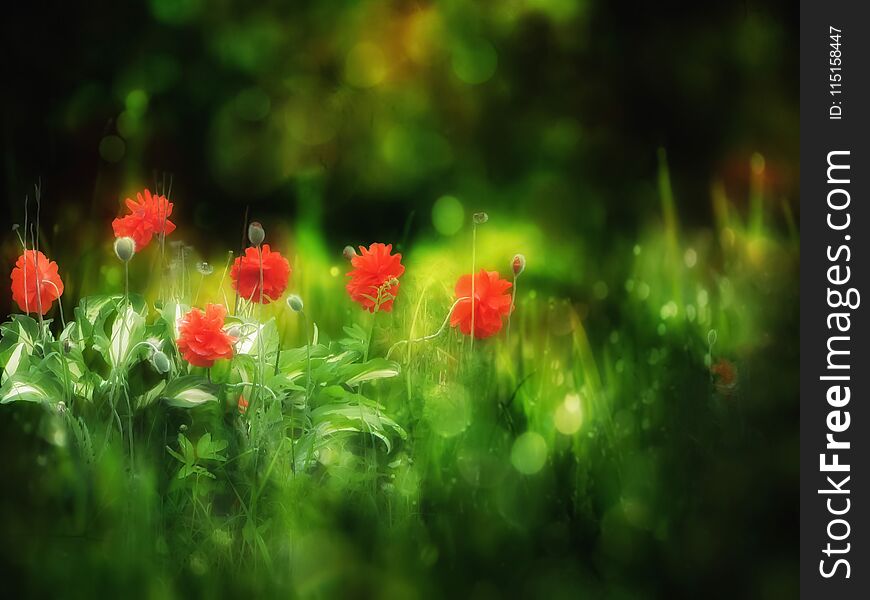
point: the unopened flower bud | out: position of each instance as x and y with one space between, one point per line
15 226
160 362
295 303
348 252
67 346
61 407
480 218
182 428
518 264
256 233
125 248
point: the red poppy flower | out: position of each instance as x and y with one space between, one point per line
246 275
373 269
149 216
35 282
201 337
492 302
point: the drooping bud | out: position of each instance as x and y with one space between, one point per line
67 346
125 248
348 252
480 218
160 362
518 264
295 303
204 268
256 233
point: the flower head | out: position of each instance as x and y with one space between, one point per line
374 281
125 248
256 233
492 302
518 264
35 282
149 216
295 303
246 274
201 337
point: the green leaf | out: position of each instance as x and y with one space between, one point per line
148 398
30 387
126 332
13 360
190 391
208 449
377 368
364 417
250 338
357 340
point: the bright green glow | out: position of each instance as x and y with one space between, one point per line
447 409
448 215
137 102
529 453
569 415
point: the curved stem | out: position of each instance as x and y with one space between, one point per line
431 336
59 302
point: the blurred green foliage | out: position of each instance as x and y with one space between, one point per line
595 453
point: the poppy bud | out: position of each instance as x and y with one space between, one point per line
480 218
235 331
125 248
15 227
348 252
256 233
61 407
67 346
182 428
295 303
518 264
204 268
160 362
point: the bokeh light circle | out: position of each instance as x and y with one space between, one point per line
569 415
448 215
529 453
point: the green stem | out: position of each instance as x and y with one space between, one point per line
473 267
513 305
